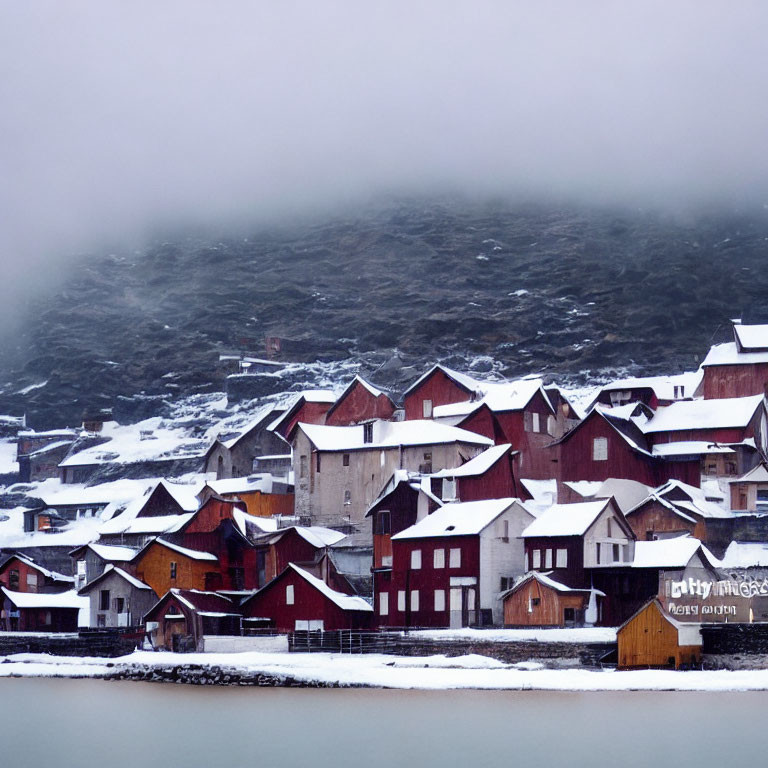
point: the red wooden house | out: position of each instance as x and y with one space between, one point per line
653 391
20 574
33 612
310 407
360 402
297 600
297 544
439 386
738 368
451 566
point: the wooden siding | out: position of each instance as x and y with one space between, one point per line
307 413
550 611
721 381
265 504
438 388
154 569
499 482
654 518
649 639
574 574
43 583
358 404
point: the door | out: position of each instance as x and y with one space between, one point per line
173 628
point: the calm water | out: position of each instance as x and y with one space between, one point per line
87 723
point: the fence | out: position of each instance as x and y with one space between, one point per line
344 641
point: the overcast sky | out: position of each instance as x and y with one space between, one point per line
120 116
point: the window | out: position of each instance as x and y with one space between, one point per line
426 466
317 461
730 467
383 522
547 558
345 459
289 597
368 432
536 426
303 466
528 421
173 570
551 425
568 614
438 558
527 566
455 558
608 523
561 560
439 600
414 599
383 603
31 582
104 600
617 553
101 620
710 468
625 556
762 500
347 498
449 488
401 600
426 409
504 530
415 559
536 559
13 580
506 583
600 449
119 605
597 553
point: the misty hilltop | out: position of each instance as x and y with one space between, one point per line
571 293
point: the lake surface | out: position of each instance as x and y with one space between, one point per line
88 723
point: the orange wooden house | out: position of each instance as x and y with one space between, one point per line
652 638
163 566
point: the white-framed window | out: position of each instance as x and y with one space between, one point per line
386 561
449 488
439 600
289 594
401 600
536 422
31 582
454 560
561 559
414 599
383 603
426 409
415 559
547 558
438 558
536 559
527 566
600 449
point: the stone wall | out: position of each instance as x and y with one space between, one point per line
85 644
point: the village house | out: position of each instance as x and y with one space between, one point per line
40 612
117 599
91 559
309 407
297 544
358 403
21 574
234 456
569 542
653 391
182 617
536 600
439 386
738 368
449 569
340 470
749 493
296 600
652 638
262 494
39 453
163 566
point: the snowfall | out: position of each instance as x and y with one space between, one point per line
381 671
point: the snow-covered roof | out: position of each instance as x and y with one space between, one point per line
689 448
146 525
479 465
50 447
704 414
664 387
345 602
548 582
42 600
728 354
242 520
498 396
751 337
111 552
698 500
132 580
745 554
544 492
464 518
758 474
261 482
670 553
585 488
389 434
318 536
54 575
261 415
192 553
566 519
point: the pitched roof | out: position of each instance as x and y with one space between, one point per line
389 434
358 381
111 552
315 535
664 387
547 582
728 354
192 553
111 569
758 474
54 575
499 397
199 600
704 414
69 599
670 553
688 633
462 518
462 379
566 519
751 338
745 554
479 465
345 602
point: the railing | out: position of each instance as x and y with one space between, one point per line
344 641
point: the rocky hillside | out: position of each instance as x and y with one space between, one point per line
568 292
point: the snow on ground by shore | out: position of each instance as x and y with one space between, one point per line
431 672
575 635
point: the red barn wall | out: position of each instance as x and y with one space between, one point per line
572 576
360 404
308 413
722 381
498 482
438 388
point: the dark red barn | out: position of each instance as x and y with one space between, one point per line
360 402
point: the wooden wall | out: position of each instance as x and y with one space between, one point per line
359 404
550 612
438 388
734 380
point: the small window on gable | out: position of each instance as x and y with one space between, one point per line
383 522
317 461
600 449
617 553
303 466
345 459
173 570
535 426
289 594
528 421
548 558
597 553
426 409
368 432
608 523
104 600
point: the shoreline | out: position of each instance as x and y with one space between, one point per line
371 671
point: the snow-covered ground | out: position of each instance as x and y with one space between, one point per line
431 672
575 635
